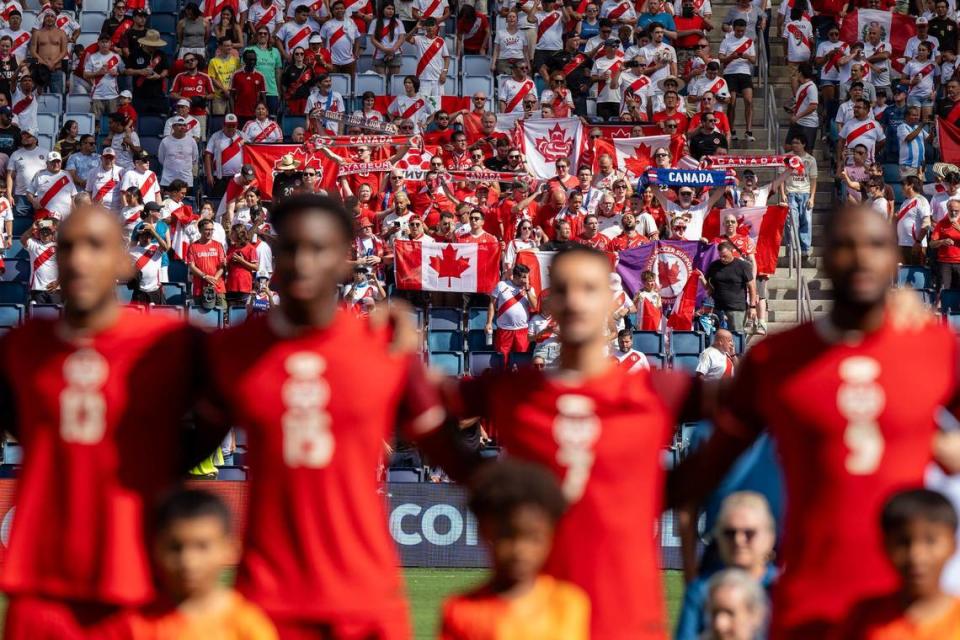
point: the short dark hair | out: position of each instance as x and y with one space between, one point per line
623 333
190 504
915 183
917 504
313 203
498 489
520 270
739 22
726 244
805 69
176 185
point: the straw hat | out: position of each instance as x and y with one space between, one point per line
152 39
288 163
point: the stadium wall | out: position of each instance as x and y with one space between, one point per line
429 522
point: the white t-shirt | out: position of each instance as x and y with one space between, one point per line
606 90
640 360
517 316
510 89
938 205
810 96
695 216
881 71
730 44
225 165
133 178
552 38
27 163
264 260
910 51
99 179
926 71
512 45
193 126
434 65
833 72
713 363
257 11
29 107
130 218
150 271
61 200
47 273
417 109
799 34
105 87
910 217
398 33
341 51
124 158
21 43
178 158
424 6
6 213
653 52
262 131
868 133
294 35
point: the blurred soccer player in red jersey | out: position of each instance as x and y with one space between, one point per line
850 400
100 441
319 391
600 429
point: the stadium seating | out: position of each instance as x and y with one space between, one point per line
950 302
683 343
45 311
205 318
685 361
13 292
444 341
124 293
11 315
444 319
648 342
914 277
480 361
236 315
449 362
174 293
404 475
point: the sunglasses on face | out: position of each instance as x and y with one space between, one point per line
415 224
514 157
731 533
619 186
686 194
475 218
595 137
479 99
310 174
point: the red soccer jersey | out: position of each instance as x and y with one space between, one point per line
317 546
247 89
853 424
208 257
602 437
193 86
240 278
99 447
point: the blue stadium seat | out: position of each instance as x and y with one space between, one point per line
91 21
151 144
12 453
11 315
364 66
408 67
476 65
449 362
950 301
520 360
17 250
648 342
13 292
165 6
477 340
370 82
289 123
165 23
124 293
178 273
891 173
914 277
342 84
231 473
17 270
48 123
687 362
686 343
236 315
739 341
472 84
148 125
174 293
50 103
8 471
444 341
403 475
898 196
85 122
20 225
480 361
102 6
444 318
46 311
206 319
656 361
953 319
215 123
171 310
476 317
79 104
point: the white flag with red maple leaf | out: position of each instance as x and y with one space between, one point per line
635 155
442 266
546 140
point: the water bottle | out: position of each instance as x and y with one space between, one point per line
489 337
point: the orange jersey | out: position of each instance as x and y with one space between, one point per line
552 609
240 620
884 619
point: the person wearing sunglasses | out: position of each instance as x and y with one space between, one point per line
707 139
528 237
707 106
558 96
605 73
744 533
476 234
711 81
687 208
433 57
515 90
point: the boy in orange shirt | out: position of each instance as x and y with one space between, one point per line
192 546
517 506
919 532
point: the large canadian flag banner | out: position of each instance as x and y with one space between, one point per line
464 267
546 140
763 225
634 156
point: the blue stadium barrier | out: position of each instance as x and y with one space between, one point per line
174 293
686 343
480 361
236 315
288 123
16 270
520 360
150 125
404 475
687 362
655 361
949 301
477 340
124 293
477 317
178 272
953 319
739 341
45 311
648 342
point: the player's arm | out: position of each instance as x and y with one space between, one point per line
210 408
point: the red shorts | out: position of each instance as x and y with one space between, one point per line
38 618
507 341
297 630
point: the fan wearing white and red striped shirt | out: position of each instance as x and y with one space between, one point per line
262 129
51 191
549 23
342 38
511 303
296 32
40 241
626 356
433 57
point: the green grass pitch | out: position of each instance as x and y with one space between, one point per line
428 587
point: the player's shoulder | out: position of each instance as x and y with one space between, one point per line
793 340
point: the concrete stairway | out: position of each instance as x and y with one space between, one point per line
782 289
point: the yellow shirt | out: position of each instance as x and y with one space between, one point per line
241 620
552 610
222 71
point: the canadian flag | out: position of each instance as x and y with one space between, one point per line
461 266
546 140
634 156
539 264
895 28
764 226
649 316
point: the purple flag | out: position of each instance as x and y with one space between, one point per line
671 261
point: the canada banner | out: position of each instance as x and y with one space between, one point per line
264 158
763 225
464 267
895 28
546 140
634 156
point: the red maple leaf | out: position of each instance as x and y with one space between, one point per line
668 273
450 265
640 161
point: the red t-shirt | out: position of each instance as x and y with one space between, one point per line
208 257
128 111
193 86
240 278
247 89
99 449
679 117
943 230
317 531
687 24
853 423
475 33
617 423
